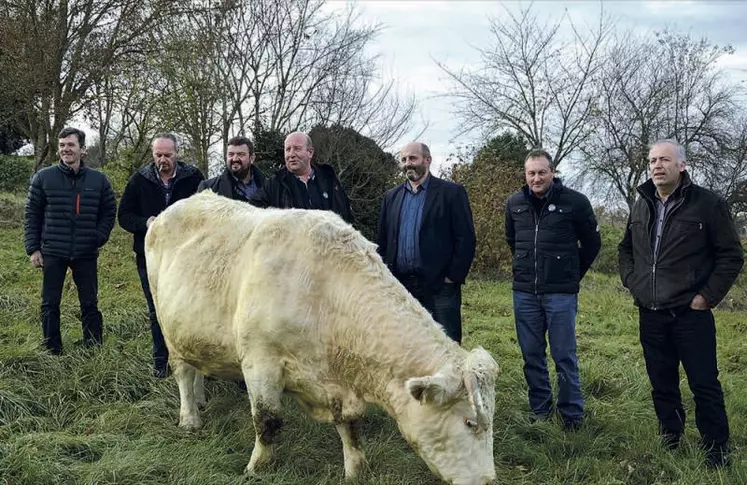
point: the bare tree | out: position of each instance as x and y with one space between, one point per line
727 174
650 88
533 82
222 67
56 50
291 64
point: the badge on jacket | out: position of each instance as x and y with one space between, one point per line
325 195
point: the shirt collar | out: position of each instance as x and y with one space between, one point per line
158 175
421 187
312 174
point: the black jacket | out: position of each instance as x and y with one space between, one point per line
225 184
545 246
699 250
447 233
143 197
277 192
69 215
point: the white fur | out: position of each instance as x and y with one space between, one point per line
299 302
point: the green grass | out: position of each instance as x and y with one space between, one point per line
99 418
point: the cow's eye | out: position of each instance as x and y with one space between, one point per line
470 423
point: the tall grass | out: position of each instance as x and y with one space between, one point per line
99 418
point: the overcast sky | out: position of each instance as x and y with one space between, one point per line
417 33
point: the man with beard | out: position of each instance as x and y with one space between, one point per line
151 190
70 214
427 237
545 222
240 179
302 184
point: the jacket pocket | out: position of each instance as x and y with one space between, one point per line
522 216
560 269
522 267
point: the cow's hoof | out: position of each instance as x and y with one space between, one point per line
261 459
191 423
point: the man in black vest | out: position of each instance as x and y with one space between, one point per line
545 222
148 193
427 237
70 214
240 179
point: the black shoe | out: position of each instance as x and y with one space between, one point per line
573 424
671 441
539 418
54 350
161 372
718 457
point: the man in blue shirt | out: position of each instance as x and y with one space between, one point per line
427 237
240 179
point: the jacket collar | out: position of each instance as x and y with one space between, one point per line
555 189
69 171
183 170
284 174
648 189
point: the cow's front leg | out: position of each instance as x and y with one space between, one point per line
264 385
186 375
352 452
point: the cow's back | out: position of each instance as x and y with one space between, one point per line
229 279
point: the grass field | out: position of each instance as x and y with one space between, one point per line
99 418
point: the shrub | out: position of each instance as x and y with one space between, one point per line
606 262
15 173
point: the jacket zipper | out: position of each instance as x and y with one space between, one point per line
536 234
655 255
76 211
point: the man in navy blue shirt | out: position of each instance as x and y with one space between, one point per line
427 237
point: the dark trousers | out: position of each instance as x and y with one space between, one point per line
684 335
86 280
160 352
445 306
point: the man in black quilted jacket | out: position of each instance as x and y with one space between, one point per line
70 213
148 193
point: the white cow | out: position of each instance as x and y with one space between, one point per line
299 302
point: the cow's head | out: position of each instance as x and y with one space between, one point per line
449 421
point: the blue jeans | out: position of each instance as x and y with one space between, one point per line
554 314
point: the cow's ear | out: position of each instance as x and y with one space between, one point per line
436 389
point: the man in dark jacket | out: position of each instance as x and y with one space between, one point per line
427 237
303 185
240 179
679 257
70 213
545 222
151 190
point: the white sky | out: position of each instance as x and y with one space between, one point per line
417 33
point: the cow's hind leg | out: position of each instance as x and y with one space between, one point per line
186 377
264 385
349 431
199 389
